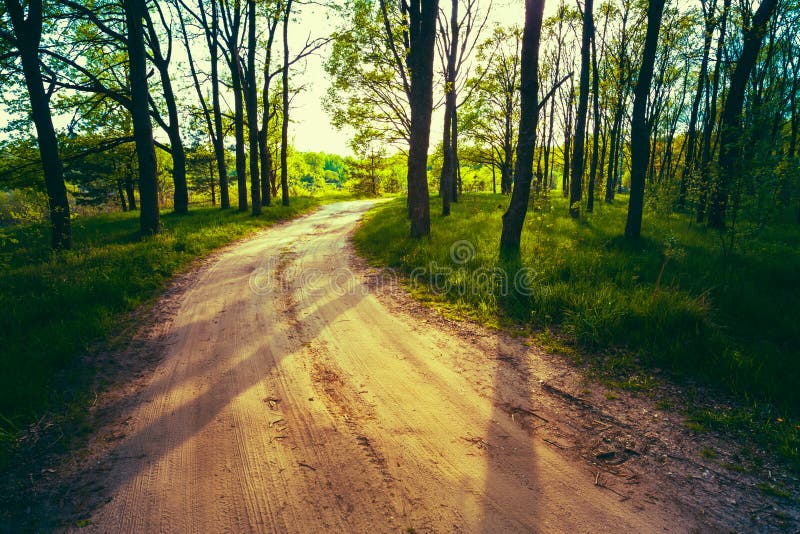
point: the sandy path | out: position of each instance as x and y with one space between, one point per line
292 399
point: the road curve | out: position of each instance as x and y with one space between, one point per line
291 398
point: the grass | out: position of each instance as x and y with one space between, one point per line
57 305
674 300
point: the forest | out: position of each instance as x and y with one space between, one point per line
616 181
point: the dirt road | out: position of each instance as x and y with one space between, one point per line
291 398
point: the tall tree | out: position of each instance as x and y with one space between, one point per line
640 128
447 180
149 221
691 135
172 125
219 141
731 117
458 38
706 148
514 217
232 24
267 113
252 107
27 38
597 120
285 109
576 176
421 35
621 91
211 31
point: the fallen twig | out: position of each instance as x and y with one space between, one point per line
303 464
612 490
553 443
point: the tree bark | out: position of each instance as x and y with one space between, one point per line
149 217
447 181
576 176
213 187
285 102
252 109
28 32
616 127
265 155
422 35
640 134
219 137
567 150
447 178
235 66
514 217
129 186
596 120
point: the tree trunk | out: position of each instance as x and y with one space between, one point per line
514 217
447 181
213 188
691 136
731 117
121 195
265 161
180 203
422 36
616 127
640 134
596 132
219 136
129 189
265 155
28 34
576 177
285 102
149 217
566 153
238 104
447 178
457 183
252 109
241 154
505 171
711 119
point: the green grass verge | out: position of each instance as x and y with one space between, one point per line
672 300
56 305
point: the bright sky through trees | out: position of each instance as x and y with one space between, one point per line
312 130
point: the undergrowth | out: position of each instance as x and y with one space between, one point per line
673 300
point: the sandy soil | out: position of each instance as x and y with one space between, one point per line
300 391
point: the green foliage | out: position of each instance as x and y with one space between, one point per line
57 304
316 171
367 93
491 117
679 303
21 206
